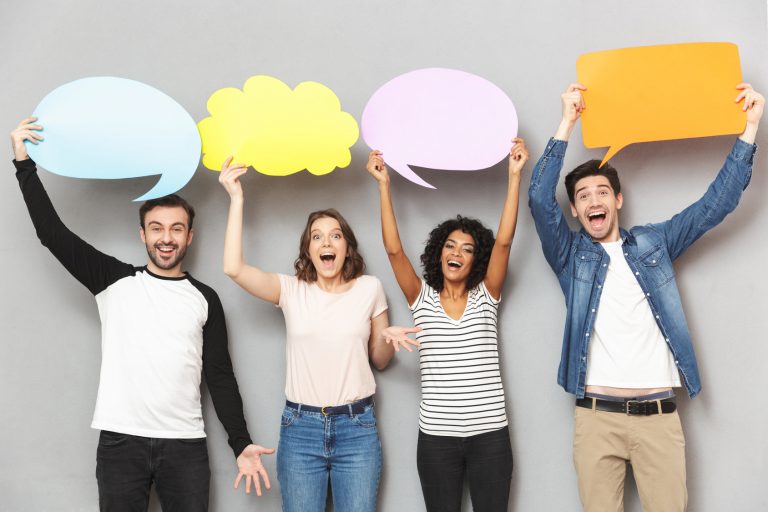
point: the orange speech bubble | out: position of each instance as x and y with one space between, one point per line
665 92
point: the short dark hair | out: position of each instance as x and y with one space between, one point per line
591 168
354 265
430 259
170 200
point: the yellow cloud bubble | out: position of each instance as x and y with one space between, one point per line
276 130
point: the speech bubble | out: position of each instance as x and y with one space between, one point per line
665 92
276 130
111 128
439 119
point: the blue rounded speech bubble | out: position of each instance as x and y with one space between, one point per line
111 128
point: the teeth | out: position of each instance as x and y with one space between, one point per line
454 264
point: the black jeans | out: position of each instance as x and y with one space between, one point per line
126 467
485 458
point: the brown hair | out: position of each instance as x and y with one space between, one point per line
169 200
587 169
353 263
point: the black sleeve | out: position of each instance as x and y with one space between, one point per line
219 375
94 269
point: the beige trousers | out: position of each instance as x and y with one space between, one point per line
603 444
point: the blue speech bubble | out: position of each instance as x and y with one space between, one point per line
112 128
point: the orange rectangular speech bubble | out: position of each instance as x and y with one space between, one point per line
665 92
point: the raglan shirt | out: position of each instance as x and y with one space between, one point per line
158 334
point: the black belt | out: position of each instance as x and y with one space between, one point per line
357 407
630 407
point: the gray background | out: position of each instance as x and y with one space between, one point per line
49 353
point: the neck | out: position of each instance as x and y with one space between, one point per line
454 290
332 284
169 272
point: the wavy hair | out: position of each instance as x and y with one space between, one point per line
430 259
354 265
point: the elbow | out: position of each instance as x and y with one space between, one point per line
232 271
381 364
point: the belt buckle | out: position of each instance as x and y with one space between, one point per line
627 407
322 410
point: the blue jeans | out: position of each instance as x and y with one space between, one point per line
314 448
126 467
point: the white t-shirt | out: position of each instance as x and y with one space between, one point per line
627 348
327 340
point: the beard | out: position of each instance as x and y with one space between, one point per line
154 254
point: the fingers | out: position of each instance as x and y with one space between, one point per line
575 86
237 479
411 329
248 480
744 85
265 477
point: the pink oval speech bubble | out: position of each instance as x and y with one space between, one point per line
440 119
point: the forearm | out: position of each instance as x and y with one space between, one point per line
389 232
565 129
750 133
508 221
379 351
228 404
233 239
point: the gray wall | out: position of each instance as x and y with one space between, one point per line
49 348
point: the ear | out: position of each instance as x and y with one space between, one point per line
573 210
190 236
619 201
141 234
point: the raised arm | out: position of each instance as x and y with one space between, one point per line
724 193
92 268
264 285
550 222
497 265
406 276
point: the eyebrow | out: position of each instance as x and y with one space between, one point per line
153 222
602 185
471 244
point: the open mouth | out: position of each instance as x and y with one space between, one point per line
165 250
596 218
455 264
327 258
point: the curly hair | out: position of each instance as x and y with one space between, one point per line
430 259
354 265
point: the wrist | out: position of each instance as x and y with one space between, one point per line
565 129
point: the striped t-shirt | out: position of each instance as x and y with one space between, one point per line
461 390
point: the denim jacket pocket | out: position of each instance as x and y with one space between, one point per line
658 269
587 263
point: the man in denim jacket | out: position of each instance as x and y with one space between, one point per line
626 343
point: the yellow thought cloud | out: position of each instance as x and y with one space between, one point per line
276 130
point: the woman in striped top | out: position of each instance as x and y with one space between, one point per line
462 420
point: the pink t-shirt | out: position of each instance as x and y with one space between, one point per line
327 340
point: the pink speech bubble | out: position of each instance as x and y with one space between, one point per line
440 119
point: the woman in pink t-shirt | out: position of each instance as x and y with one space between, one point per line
334 316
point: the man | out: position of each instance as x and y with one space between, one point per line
160 329
626 343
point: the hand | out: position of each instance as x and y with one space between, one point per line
397 336
518 155
377 168
573 102
754 103
230 177
250 466
25 131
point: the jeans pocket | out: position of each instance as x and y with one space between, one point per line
289 416
108 438
366 419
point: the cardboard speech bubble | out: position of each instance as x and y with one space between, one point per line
112 128
655 93
440 119
278 130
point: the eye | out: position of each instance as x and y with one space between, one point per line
336 236
469 250
603 192
582 197
315 237
448 245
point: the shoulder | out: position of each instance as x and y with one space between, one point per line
209 293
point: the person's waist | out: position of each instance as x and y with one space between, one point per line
644 405
350 409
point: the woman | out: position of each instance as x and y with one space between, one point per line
334 317
462 421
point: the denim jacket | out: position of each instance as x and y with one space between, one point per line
581 264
